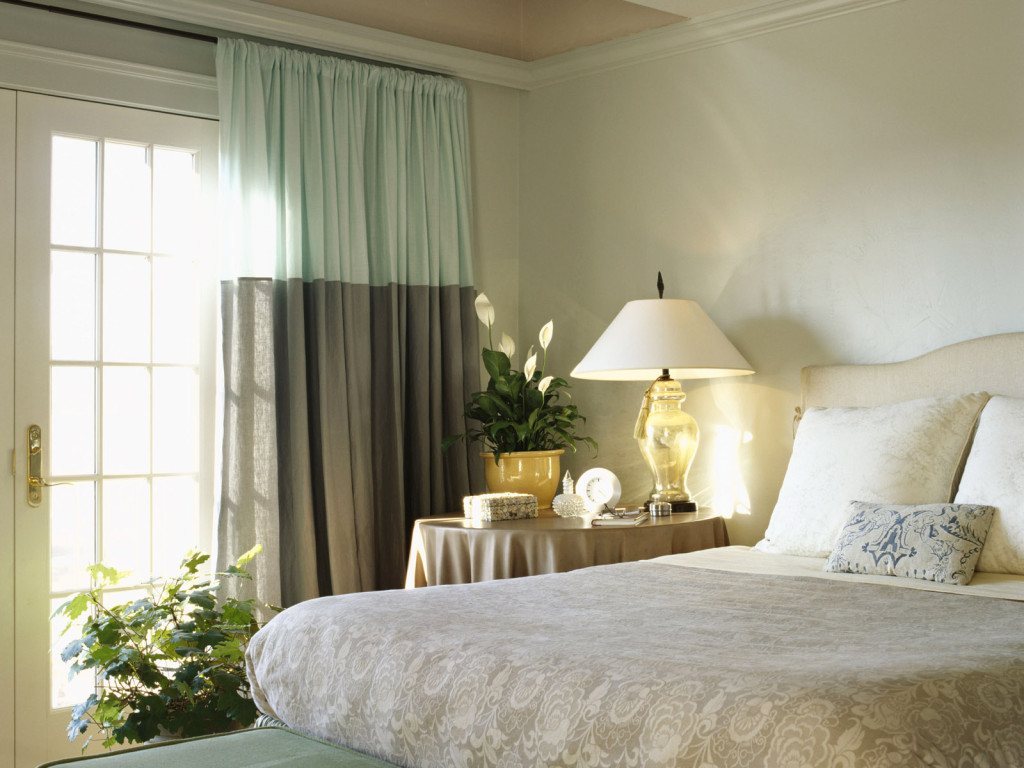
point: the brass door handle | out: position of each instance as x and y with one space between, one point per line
36 483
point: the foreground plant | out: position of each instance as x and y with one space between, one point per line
520 410
169 663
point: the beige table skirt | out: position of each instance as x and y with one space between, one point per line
457 550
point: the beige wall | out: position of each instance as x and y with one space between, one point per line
850 190
845 191
493 114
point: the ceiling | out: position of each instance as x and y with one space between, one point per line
526 30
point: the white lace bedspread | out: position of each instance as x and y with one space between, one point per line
651 664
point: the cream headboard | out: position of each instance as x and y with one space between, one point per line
993 364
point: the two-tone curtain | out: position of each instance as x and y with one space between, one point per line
349 333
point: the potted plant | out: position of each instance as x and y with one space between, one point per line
169 664
522 423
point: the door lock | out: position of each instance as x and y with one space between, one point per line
36 483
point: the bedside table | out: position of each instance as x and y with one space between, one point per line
460 550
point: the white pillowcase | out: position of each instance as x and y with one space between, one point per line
994 475
901 453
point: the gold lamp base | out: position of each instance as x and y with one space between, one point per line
667 437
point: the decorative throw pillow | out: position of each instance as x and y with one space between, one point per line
934 542
900 453
994 474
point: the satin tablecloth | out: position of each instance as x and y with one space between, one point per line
458 550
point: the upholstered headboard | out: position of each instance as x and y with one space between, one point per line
993 364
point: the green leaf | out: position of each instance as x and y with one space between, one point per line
193 560
243 711
80 720
202 599
516 384
447 442
237 612
248 556
105 575
74 607
71 650
496 363
534 399
483 408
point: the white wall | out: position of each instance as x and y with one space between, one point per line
850 190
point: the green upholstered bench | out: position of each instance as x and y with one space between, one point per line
263 747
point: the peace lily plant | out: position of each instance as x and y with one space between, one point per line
520 410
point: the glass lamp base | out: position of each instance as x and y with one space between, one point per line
667 437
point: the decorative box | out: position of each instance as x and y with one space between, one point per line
488 507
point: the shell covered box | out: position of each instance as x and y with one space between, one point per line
488 507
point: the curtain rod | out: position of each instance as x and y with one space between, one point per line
80 14
210 37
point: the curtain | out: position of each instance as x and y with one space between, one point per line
349 333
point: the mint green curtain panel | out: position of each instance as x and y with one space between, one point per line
349 333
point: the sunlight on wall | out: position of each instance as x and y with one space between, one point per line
730 492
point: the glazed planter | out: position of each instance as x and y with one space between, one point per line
535 472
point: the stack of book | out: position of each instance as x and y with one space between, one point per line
620 517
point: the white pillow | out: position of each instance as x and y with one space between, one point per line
901 453
994 475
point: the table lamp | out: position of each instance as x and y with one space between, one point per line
663 339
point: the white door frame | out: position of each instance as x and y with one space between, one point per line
53 72
7 484
41 731
43 70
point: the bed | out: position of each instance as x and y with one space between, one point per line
880 621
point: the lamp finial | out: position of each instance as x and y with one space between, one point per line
661 286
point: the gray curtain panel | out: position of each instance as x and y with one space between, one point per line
349 332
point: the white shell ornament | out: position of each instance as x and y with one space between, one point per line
567 503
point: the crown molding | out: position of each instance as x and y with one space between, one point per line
269 22
258 20
701 33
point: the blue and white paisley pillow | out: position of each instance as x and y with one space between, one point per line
934 542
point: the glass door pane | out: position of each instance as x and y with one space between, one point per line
124 362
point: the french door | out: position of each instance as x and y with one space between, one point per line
114 359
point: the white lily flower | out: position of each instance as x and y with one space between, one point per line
484 310
544 384
530 368
545 334
507 345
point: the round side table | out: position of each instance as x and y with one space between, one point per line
459 550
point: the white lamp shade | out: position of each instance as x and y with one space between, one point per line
651 335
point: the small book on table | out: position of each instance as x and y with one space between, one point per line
621 517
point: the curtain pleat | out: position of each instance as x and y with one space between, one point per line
249 504
350 336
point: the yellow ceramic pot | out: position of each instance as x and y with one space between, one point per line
535 472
